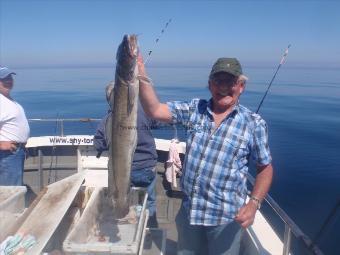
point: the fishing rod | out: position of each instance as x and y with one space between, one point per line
270 84
157 40
148 58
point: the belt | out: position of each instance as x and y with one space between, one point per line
22 145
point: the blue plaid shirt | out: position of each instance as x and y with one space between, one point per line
216 162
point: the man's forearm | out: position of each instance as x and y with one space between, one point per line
262 182
148 98
246 214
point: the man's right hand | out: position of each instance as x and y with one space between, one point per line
151 105
8 146
140 64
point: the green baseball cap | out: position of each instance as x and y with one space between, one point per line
228 65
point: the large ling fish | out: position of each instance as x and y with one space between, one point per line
122 125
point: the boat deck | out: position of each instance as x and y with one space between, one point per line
168 202
49 163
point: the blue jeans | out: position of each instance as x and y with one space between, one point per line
213 240
146 178
12 167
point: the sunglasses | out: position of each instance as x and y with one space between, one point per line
7 79
230 81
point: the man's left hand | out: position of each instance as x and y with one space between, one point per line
246 214
8 146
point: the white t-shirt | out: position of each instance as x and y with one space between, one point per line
13 123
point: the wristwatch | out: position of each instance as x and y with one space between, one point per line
256 201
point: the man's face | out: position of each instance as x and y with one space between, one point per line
225 90
6 85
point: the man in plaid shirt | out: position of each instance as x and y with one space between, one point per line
222 136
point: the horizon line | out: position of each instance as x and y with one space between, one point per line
182 65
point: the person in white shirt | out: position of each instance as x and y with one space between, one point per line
14 132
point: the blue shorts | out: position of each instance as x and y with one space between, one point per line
146 178
12 167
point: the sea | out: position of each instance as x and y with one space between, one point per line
302 110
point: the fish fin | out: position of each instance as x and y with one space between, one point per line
108 130
131 97
111 99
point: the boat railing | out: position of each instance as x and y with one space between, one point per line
60 121
290 227
59 124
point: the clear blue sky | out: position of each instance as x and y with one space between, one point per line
87 33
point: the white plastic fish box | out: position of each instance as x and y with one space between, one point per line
12 205
12 198
96 233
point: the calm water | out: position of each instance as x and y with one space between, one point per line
302 111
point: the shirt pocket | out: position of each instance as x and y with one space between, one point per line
236 151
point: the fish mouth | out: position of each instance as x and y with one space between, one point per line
128 48
133 45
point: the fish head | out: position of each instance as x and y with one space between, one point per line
127 57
